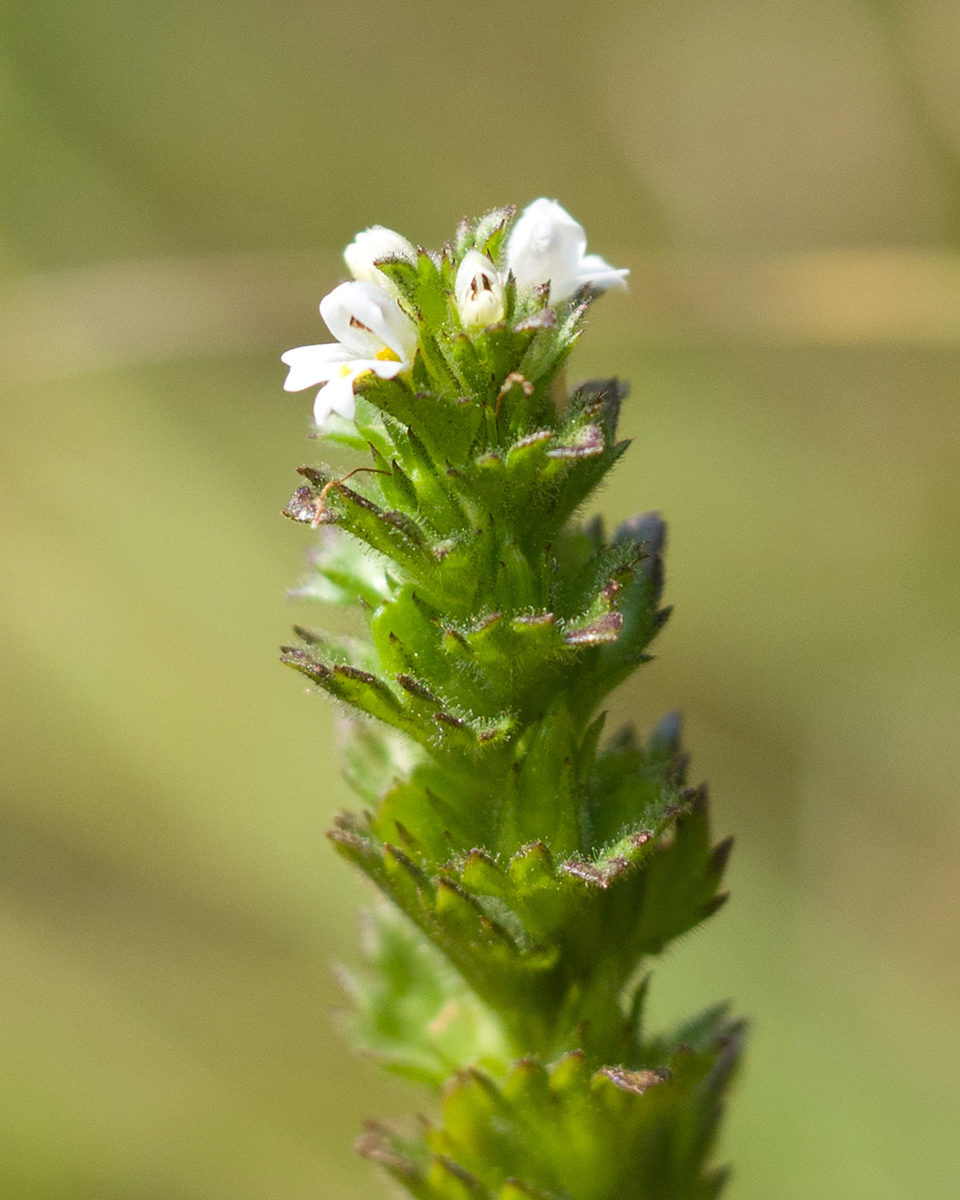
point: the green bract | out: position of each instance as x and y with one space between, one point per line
537 862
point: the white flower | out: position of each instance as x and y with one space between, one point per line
372 246
548 245
373 334
479 291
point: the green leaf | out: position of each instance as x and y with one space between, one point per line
344 573
641 1133
485 234
491 230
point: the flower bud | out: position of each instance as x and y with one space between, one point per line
372 246
479 291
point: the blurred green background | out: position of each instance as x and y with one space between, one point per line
178 181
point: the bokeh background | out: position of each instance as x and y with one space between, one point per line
178 180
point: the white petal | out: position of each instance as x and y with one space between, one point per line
372 245
479 291
345 374
336 396
366 320
546 244
387 368
599 274
312 364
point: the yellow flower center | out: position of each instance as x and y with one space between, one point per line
387 355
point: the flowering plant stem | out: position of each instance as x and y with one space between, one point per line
531 864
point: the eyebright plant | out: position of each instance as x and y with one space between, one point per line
532 865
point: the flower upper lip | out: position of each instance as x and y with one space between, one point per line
373 334
364 319
547 245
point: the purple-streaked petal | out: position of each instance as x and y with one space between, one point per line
365 319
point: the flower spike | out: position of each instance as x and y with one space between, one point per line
531 867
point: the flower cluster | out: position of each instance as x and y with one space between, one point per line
543 261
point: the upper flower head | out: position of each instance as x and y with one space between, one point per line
373 245
547 245
479 291
373 334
